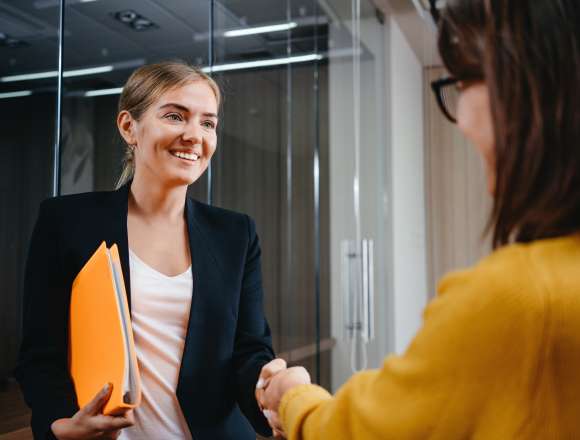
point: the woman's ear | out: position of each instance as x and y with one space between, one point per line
126 126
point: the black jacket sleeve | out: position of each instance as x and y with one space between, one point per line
253 343
42 368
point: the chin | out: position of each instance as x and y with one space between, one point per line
183 177
180 180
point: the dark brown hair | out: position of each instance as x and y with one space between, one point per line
528 53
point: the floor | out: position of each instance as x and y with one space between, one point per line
14 414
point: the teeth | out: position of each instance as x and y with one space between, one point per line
187 156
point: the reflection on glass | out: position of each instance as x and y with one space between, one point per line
266 58
28 44
105 42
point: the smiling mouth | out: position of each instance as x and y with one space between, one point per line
192 157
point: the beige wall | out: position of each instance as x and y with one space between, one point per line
457 202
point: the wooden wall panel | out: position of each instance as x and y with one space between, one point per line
457 200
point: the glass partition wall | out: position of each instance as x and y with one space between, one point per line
302 146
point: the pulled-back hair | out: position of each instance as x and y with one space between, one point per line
528 54
145 86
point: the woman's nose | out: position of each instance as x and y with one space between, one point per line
192 133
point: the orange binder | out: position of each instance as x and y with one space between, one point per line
101 347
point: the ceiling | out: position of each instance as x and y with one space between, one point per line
95 36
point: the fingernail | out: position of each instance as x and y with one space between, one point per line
267 413
106 388
261 383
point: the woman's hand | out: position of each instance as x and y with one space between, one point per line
90 423
276 386
279 384
269 370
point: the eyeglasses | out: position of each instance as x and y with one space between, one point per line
447 95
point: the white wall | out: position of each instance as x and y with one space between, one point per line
409 272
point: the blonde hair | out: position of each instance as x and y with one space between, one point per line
145 86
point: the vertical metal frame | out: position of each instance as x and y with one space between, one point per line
56 159
316 172
289 174
210 65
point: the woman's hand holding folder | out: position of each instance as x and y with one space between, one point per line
90 423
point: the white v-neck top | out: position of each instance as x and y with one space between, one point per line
160 312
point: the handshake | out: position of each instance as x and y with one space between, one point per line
274 381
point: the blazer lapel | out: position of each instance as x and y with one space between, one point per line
204 266
118 233
204 276
192 231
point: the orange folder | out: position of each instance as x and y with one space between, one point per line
101 347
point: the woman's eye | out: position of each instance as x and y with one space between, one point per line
208 124
174 117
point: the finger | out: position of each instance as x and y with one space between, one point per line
260 398
111 435
302 373
112 423
273 420
278 434
130 416
270 369
96 405
272 392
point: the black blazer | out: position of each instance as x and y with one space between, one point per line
227 341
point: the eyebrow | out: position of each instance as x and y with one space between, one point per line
185 109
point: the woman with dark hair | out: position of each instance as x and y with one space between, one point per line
499 351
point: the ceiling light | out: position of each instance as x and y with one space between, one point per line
18 94
126 16
132 19
102 92
29 76
263 63
141 24
260 29
89 71
54 73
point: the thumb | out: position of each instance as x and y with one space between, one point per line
96 405
269 370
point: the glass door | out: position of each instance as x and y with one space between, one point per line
266 56
358 189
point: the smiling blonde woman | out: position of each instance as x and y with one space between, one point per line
192 274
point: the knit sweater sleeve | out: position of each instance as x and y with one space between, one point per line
478 348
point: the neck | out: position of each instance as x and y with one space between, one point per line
153 199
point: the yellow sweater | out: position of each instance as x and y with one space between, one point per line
498 357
